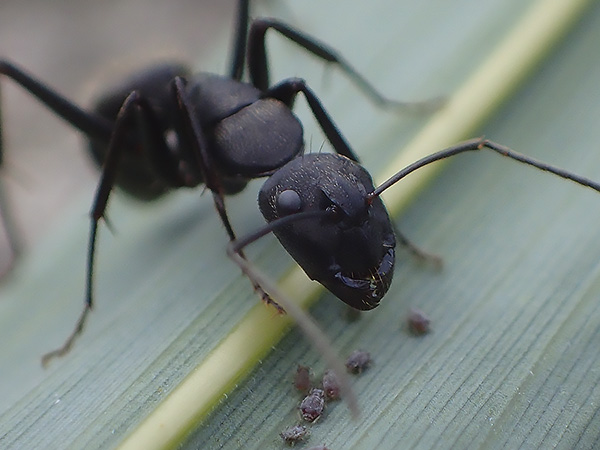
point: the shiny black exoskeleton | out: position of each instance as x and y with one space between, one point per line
350 248
165 128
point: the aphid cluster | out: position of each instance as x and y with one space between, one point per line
313 404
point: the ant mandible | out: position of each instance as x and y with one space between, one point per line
167 128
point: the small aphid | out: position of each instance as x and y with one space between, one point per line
302 378
358 361
418 322
331 385
293 434
313 404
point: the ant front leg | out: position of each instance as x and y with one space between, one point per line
417 251
203 161
259 67
135 109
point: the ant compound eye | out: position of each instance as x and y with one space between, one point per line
288 202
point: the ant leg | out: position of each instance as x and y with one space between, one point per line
6 216
417 251
209 174
238 52
10 227
287 90
92 125
259 72
134 107
309 327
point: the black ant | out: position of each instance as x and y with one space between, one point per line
167 128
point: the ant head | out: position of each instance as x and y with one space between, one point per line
340 236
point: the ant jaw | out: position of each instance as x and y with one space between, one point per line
364 293
367 291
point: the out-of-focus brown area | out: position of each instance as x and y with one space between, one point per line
75 47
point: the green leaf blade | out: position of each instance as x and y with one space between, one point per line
511 298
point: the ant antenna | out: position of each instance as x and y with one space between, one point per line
481 144
309 327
